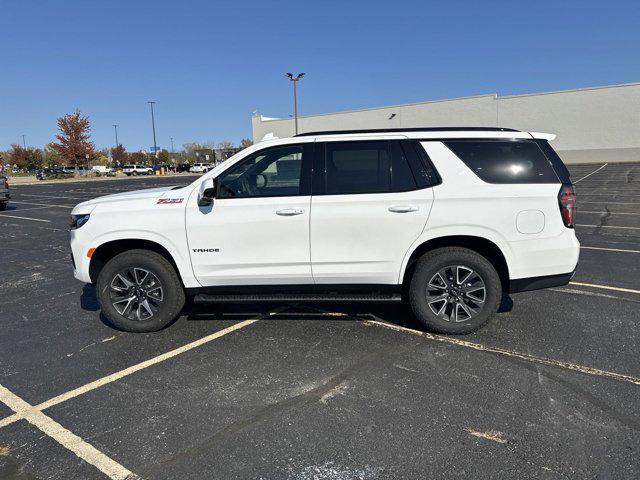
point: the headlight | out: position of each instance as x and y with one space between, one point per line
78 220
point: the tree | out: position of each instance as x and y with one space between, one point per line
164 157
25 158
244 143
119 155
138 157
101 160
50 155
74 144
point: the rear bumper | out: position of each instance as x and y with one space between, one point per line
537 283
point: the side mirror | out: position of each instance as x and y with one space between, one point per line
207 192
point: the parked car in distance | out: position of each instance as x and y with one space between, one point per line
201 167
446 219
101 169
182 167
137 170
4 193
75 169
45 173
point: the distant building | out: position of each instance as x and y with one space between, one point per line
600 124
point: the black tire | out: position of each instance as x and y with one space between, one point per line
3 206
437 261
172 291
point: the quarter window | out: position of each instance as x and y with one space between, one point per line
513 161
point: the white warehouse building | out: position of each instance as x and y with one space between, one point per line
593 125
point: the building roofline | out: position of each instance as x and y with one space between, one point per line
492 95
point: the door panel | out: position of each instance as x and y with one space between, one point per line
257 230
361 239
256 245
366 211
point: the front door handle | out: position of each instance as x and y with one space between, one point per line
403 208
289 212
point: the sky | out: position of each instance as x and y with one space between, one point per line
210 64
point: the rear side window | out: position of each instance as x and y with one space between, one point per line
498 161
558 165
366 167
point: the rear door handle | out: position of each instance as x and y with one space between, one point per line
403 208
289 212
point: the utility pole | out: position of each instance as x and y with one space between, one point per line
295 80
115 127
153 126
24 144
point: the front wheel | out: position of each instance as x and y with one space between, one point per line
454 290
140 291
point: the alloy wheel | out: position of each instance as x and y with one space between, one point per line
136 293
456 293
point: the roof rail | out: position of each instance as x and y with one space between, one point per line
412 129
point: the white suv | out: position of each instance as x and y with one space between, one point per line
447 219
200 167
129 170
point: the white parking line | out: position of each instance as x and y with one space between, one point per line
43 204
140 366
612 213
25 218
607 226
64 437
52 196
605 287
595 171
623 250
610 203
20 210
509 353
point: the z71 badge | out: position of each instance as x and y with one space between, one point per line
165 201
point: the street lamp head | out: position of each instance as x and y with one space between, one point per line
294 78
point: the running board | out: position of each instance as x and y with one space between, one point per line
302 297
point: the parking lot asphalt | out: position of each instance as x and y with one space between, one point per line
549 389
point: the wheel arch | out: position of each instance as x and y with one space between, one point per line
481 245
110 249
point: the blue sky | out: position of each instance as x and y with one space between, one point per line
210 64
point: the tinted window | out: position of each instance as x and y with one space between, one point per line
505 161
272 172
366 167
556 161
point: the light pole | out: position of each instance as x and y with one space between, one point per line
115 127
295 80
153 126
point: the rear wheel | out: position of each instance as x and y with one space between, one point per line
454 290
3 206
139 291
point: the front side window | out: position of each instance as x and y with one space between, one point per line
273 172
510 161
366 167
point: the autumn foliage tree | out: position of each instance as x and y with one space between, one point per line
119 155
26 158
74 139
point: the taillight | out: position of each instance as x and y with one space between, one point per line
567 202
